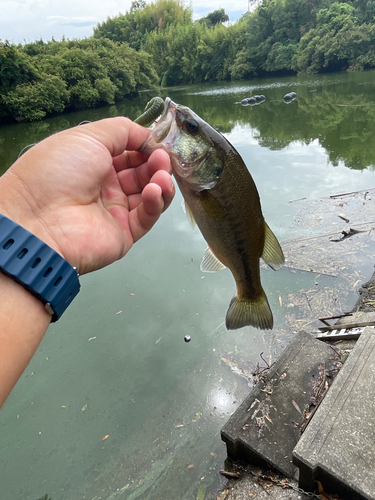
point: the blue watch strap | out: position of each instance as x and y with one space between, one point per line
37 267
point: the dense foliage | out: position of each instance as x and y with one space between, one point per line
159 43
40 78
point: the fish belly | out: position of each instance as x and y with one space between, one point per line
233 227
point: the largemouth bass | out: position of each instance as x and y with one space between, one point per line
221 197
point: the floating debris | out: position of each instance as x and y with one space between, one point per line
187 338
348 234
230 475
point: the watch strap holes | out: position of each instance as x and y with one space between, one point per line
36 263
48 272
22 253
8 244
58 281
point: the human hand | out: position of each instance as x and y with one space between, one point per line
87 192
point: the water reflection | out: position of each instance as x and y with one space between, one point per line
336 110
163 401
220 401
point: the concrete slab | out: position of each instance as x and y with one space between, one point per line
338 446
264 429
253 487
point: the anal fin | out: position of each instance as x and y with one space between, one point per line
210 263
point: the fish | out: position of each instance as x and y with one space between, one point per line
222 199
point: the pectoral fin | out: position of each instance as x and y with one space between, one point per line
272 252
188 212
210 263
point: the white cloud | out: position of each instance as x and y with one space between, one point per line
68 21
33 19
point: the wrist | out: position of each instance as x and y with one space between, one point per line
37 267
15 298
16 205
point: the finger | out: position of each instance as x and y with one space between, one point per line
164 181
159 160
116 134
133 180
129 159
155 198
148 211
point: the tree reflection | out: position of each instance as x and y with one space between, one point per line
339 115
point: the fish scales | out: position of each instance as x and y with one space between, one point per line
222 198
232 239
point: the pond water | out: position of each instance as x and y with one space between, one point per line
117 365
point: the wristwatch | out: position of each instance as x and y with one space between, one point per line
37 267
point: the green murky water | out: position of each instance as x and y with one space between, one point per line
161 401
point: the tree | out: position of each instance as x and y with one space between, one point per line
138 5
329 46
143 19
34 100
215 17
16 67
280 57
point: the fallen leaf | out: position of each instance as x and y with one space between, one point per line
223 495
323 495
230 475
84 408
105 437
227 361
180 425
190 466
296 407
119 312
158 341
132 293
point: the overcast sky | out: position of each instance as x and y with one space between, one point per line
29 20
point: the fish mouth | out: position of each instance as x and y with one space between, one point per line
164 131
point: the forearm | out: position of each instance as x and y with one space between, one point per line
24 321
89 194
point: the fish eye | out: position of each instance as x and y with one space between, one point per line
191 126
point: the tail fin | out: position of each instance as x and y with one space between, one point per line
255 312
